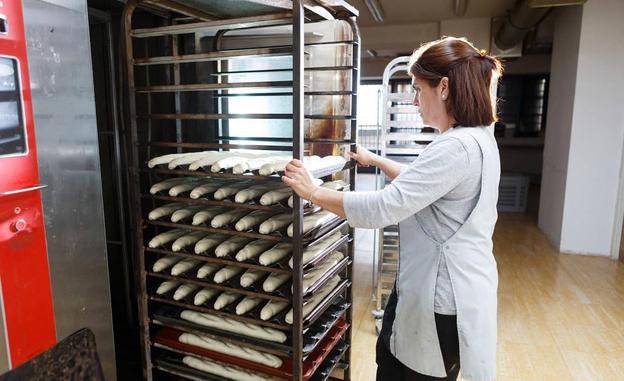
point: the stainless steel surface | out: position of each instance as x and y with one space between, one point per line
5 362
23 190
64 112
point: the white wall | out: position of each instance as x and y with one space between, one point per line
559 120
585 129
597 131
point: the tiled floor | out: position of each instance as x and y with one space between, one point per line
561 316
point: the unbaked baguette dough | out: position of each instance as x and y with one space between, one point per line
230 190
253 249
191 158
311 252
274 166
275 196
231 245
187 186
184 290
231 161
169 183
207 269
229 372
167 286
166 159
313 221
209 242
165 262
271 309
201 190
207 214
252 219
250 277
231 349
254 164
204 295
224 299
226 273
234 326
275 223
275 254
247 304
184 266
208 160
185 212
187 240
166 237
227 163
165 210
317 272
274 281
316 299
291 202
229 217
255 191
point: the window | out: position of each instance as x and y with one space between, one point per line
368 118
523 103
12 126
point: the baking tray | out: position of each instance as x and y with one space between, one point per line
167 339
331 362
253 316
280 266
282 293
170 317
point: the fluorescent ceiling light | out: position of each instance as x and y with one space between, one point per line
375 9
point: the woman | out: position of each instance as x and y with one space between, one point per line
441 315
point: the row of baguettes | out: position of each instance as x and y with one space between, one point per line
240 163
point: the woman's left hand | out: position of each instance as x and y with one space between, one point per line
299 179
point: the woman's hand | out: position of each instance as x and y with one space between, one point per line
363 156
299 179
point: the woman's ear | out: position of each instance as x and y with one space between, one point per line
443 88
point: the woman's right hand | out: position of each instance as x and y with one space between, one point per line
363 156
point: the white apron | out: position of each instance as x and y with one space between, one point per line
472 269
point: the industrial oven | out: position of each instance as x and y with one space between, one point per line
26 313
53 258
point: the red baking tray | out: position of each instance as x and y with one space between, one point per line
168 337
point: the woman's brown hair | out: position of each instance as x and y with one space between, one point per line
469 72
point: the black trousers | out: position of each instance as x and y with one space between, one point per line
389 368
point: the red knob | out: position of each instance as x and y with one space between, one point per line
19 225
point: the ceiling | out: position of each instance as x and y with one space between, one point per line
422 11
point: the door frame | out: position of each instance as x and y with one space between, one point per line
618 224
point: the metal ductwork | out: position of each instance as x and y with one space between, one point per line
519 22
525 15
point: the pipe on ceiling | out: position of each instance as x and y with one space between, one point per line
519 22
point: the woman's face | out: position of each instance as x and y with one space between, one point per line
430 102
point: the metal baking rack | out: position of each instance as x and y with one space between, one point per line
402 139
183 84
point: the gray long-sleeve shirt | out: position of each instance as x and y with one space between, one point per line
441 187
